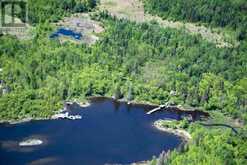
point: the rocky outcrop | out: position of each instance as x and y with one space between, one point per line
31 142
180 132
84 105
66 116
81 104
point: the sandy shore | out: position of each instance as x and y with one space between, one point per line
83 104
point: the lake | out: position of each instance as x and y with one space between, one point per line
109 132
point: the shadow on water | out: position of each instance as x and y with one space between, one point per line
109 132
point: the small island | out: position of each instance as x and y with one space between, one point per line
31 142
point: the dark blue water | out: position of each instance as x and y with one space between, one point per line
66 32
109 132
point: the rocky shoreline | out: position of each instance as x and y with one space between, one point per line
179 132
84 104
58 115
28 119
81 104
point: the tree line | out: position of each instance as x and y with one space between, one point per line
221 13
54 10
143 62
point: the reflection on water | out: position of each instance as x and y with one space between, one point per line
45 161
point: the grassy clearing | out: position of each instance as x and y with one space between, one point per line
134 11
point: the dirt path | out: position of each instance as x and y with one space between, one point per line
134 11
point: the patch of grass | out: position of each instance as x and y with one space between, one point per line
109 3
174 124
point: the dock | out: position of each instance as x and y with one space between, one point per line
156 109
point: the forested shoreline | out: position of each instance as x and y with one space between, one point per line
185 70
141 62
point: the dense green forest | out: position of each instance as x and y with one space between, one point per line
211 146
222 13
198 72
53 10
143 62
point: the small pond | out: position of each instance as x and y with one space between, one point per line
109 132
66 32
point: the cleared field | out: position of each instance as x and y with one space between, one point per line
134 11
81 23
